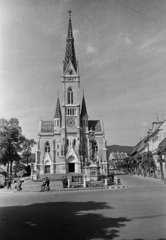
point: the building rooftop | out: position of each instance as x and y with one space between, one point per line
95 125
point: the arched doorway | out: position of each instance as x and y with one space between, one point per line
71 164
47 167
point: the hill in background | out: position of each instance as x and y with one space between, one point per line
117 148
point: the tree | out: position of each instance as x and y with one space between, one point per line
18 167
161 150
151 163
148 163
138 158
144 163
27 149
11 140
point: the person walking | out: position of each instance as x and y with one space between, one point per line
19 184
48 183
9 184
65 182
43 185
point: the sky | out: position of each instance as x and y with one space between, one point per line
121 50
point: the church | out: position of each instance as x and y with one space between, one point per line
63 143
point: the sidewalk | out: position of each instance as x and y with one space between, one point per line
29 186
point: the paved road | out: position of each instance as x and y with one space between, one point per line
138 212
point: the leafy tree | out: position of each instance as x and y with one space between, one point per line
144 163
27 149
160 152
11 140
148 163
18 167
138 163
151 163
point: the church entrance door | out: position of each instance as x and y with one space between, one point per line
47 169
71 167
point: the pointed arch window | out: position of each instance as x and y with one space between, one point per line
47 147
70 96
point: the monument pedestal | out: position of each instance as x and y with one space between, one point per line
94 172
91 173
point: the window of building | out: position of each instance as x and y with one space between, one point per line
58 123
71 111
70 96
57 146
57 153
47 147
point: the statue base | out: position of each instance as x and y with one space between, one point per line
91 173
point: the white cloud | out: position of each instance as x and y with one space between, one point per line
90 49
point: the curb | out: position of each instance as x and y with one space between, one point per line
82 189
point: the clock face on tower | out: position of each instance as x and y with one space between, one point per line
70 122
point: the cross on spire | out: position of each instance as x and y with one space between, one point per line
69 14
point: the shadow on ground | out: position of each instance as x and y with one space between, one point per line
60 220
145 239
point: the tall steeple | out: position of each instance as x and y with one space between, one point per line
70 50
58 109
83 110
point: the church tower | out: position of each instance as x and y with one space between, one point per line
63 142
70 80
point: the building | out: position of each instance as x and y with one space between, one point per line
117 158
156 137
63 143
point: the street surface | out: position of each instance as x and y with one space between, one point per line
137 212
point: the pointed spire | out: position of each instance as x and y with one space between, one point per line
58 109
70 50
70 32
83 110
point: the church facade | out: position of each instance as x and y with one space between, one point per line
63 143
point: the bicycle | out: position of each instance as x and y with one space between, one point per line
44 188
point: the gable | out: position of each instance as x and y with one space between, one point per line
95 125
70 70
72 155
47 158
47 127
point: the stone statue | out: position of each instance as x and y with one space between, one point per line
93 148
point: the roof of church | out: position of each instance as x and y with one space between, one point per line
95 125
70 50
47 127
83 110
58 110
